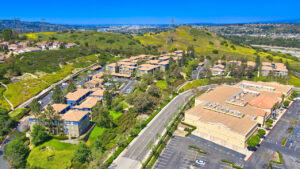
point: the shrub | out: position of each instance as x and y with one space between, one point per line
253 141
261 132
38 135
286 103
283 142
82 153
215 51
60 137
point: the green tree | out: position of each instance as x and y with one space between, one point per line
142 86
158 75
82 153
51 121
35 107
6 123
7 34
257 61
16 152
253 141
117 105
103 57
108 98
58 96
101 116
261 132
71 86
191 52
142 102
148 78
286 103
154 91
38 135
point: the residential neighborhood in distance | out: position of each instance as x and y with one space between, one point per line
28 46
160 85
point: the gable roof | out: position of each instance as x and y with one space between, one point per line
74 115
77 94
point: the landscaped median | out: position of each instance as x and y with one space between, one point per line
232 164
197 149
283 142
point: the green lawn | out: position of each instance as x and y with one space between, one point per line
115 114
294 81
97 131
16 112
125 106
52 155
3 102
194 84
162 84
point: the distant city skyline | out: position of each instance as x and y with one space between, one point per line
156 12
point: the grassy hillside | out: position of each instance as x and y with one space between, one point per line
204 42
47 67
101 40
207 44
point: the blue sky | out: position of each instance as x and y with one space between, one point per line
150 12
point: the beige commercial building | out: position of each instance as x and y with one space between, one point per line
230 115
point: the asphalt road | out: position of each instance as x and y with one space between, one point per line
195 73
272 143
3 163
21 127
138 150
128 86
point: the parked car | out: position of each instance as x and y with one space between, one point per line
200 162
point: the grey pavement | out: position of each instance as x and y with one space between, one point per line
195 73
137 150
23 124
178 155
272 143
3 163
128 86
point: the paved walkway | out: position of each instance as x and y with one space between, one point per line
11 105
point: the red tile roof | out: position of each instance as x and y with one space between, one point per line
263 101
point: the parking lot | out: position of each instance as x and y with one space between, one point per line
290 151
178 154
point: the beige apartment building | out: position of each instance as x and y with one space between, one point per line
230 115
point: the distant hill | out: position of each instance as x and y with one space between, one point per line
25 26
205 43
